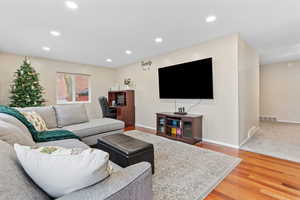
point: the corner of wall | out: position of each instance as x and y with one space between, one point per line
248 89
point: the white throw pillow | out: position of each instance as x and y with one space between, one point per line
59 171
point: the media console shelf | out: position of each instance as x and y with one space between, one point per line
185 128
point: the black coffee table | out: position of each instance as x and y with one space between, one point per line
125 151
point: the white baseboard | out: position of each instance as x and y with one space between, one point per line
205 140
287 121
143 126
251 132
220 143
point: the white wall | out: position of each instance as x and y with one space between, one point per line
248 76
226 118
280 91
101 78
220 115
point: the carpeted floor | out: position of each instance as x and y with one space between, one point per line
185 172
281 140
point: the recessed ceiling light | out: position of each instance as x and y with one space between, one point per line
211 18
55 33
72 5
46 48
158 40
128 52
108 60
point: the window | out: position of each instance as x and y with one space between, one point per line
72 88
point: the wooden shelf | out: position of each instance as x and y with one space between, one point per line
171 126
190 127
125 105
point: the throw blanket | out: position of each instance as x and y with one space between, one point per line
37 136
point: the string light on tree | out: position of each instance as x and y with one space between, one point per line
26 90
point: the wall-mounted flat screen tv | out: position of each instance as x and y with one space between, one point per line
192 80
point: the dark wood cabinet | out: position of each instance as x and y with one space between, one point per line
123 102
185 128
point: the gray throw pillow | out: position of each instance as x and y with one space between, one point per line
70 114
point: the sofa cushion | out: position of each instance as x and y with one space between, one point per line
70 114
93 139
95 126
69 143
15 184
13 134
46 112
132 183
45 165
12 120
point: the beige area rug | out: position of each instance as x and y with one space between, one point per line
281 140
183 171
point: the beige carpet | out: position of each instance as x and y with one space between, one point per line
281 140
185 172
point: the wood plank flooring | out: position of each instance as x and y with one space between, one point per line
257 177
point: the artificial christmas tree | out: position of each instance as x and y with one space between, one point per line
26 90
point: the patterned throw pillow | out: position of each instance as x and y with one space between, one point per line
47 167
37 121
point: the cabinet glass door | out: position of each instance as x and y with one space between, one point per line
187 129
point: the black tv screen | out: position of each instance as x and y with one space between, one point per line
192 80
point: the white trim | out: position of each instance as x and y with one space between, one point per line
204 140
244 142
61 102
220 143
252 131
287 121
143 126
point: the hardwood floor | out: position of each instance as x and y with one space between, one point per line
257 177
129 128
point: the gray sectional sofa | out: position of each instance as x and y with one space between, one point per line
131 183
74 118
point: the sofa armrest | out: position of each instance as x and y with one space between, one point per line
131 183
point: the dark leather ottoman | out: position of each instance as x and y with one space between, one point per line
125 151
